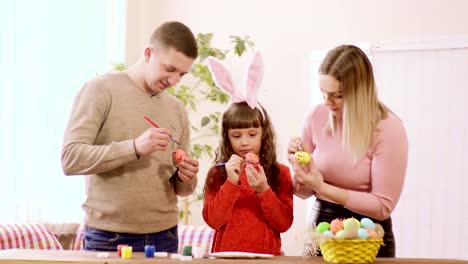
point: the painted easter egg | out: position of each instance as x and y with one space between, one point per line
367 223
179 155
322 227
336 225
379 230
302 157
362 233
251 158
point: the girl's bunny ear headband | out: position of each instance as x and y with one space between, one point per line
223 79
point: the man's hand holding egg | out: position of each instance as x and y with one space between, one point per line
178 156
188 168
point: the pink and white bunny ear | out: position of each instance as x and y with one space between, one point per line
223 79
254 79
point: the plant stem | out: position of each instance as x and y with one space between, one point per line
202 136
186 210
195 86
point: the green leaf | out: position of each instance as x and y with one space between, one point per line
181 214
215 129
192 105
119 66
241 44
205 120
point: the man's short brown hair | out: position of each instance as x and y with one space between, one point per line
176 35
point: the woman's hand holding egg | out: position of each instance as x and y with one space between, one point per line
307 175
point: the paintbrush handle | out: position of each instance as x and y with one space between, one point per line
156 126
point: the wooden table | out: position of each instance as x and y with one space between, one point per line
30 256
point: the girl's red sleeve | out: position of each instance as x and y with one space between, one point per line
278 208
219 200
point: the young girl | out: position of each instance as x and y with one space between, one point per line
248 205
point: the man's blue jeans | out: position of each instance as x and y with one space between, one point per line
100 240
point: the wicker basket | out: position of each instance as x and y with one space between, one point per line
350 250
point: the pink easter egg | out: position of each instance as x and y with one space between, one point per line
251 158
372 233
336 225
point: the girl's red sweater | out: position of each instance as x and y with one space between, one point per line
245 220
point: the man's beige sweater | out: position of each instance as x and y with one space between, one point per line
125 194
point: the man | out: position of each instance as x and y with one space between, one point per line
133 183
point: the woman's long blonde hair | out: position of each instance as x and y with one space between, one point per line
362 110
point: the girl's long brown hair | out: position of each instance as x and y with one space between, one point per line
240 115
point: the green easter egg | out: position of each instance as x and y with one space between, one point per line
340 234
322 227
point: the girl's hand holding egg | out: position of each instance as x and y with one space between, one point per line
252 159
256 177
254 172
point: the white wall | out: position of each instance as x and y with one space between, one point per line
286 32
434 80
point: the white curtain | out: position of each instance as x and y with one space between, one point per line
48 49
425 83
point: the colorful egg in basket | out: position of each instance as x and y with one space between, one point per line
350 241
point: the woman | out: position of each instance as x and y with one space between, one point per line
359 147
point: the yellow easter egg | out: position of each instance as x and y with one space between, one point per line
357 222
350 223
302 157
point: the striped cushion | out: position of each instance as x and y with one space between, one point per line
200 236
77 241
33 236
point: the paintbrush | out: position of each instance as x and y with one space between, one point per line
156 126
